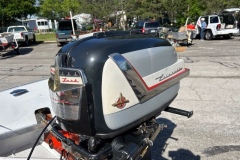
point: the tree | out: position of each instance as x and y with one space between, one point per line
174 10
144 9
10 9
100 9
54 9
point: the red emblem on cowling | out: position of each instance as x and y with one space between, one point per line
121 102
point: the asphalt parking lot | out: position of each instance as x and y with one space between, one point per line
31 65
212 92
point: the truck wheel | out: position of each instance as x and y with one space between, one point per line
208 35
26 41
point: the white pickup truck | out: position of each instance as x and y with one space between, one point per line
218 25
22 34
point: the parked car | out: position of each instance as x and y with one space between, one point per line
145 27
235 12
65 31
218 25
22 34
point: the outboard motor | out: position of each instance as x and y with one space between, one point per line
106 92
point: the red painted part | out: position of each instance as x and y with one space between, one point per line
191 26
4 44
48 117
120 100
169 78
56 144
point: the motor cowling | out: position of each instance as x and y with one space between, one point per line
111 82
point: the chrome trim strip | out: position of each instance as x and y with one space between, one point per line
59 60
140 88
137 84
54 81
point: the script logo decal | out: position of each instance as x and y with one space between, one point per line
70 80
164 76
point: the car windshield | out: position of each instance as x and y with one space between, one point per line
16 29
67 25
152 25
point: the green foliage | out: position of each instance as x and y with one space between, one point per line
144 9
99 9
46 37
176 10
10 9
54 9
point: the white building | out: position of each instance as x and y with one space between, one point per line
39 25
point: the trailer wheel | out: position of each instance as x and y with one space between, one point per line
208 35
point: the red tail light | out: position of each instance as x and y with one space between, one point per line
21 34
56 35
143 30
4 44
218 27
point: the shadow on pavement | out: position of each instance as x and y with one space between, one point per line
12 53
217 38
39 42
160 144
215 150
